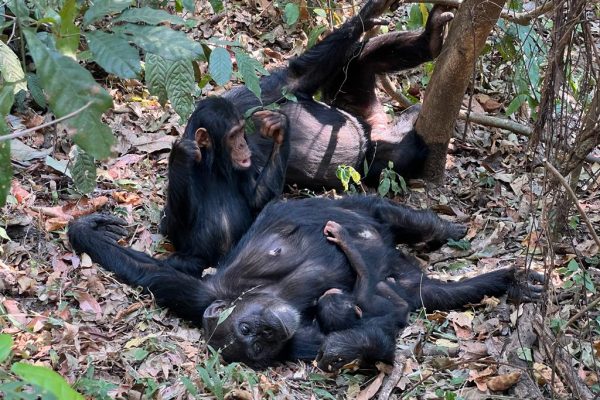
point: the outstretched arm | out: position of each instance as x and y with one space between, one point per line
97 235
269 183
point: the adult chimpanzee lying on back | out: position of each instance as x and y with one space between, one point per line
217 185
281 266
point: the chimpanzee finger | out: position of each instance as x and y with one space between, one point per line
116 230
533 276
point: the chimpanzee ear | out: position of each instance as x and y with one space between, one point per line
202 138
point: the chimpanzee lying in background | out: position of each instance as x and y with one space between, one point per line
272 278
350 127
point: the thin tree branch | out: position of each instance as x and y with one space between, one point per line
26 132
573 197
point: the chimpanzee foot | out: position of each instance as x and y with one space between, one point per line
434 29
333 231
528 286
272 124
334 354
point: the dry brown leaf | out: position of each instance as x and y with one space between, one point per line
61 215
18 192
372 389
14 310
127 198
501 383
88 303
597 348
238 394
480 377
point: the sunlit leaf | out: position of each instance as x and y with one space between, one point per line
220 66
46 379
10 68
114 54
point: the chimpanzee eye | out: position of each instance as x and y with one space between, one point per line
244 329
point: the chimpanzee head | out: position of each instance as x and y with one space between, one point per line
218 129
337 310
256 330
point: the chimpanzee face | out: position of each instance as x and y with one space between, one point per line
255 331
235 143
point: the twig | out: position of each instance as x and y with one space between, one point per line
573 197
525 18
394 377
25 132
390 90
495 122
575 317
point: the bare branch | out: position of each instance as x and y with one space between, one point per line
573 197
26 132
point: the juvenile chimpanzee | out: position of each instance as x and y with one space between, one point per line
371 297
217 183
350 126
271 279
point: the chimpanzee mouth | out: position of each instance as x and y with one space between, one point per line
244 163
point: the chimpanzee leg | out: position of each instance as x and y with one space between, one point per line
313 69
97 235
353 88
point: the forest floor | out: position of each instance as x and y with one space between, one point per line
111 341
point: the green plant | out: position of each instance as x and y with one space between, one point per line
349 177
390 180
577 277
29 381
115 35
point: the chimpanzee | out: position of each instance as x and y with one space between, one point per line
371 296
217 185
350 126
268 284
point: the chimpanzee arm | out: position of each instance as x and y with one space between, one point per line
184 154
97 235
269 183
308 72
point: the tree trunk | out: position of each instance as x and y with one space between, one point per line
469 30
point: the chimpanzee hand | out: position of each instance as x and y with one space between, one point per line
448 230
94 227
528 286
336 352
434 29
185 151
272 124
334 232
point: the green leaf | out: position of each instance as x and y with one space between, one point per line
68 33
415 18
225 314
47 379
384 187
6 344
114 54
292 13
179 85
516 103
525 354
190 5
156 76
246 66
83 172
6 101
220 66
320 12
7 98
313 36
68 95
36 90
217 5
461 244
10 68
149 16
161 40
100 8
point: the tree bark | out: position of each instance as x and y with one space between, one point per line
469 30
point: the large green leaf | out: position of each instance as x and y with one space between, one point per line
161 40
149 16
36 90
10 68
6 344
5 165
292 13
84 172
220 66
247 68
47 379
71 93
180 83
156 76
114 54
100 8
217 5
68 33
